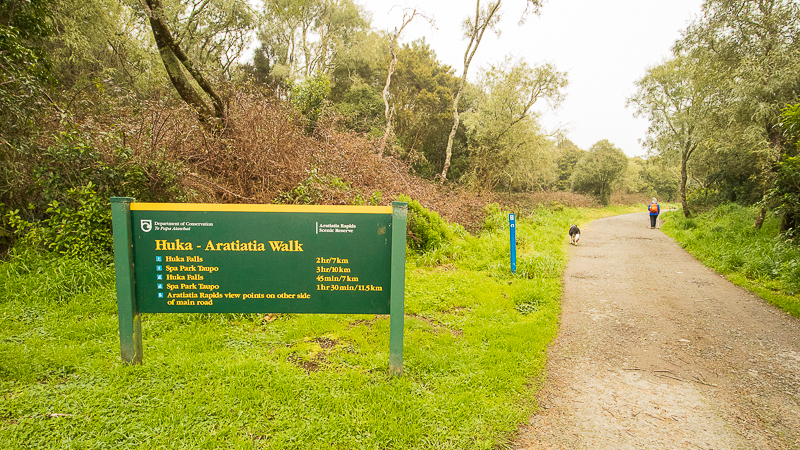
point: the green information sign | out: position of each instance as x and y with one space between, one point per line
209 258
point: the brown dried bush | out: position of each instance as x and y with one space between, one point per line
624 198
547 199
264 156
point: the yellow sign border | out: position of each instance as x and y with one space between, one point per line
345 209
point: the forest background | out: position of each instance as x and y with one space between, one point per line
156 101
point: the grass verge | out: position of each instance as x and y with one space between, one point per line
758 260
475 342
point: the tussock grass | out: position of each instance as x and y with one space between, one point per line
725 240
475 341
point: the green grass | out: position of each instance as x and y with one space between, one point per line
758 260
475 341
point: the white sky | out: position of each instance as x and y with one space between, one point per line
604 46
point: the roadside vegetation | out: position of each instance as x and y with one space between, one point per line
156 101
474 351
760 260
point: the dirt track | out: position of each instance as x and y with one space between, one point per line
655 351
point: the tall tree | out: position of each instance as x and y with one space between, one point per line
507 144
662 181
598 170
474 29
309 35
632 180
181 69
214 33
568 156
388 112
118 47
422 90
24 67
357 79
784 197
676 98
754 47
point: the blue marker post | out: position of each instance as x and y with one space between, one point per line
512 226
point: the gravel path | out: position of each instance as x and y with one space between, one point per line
656 351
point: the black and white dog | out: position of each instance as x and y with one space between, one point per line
574 234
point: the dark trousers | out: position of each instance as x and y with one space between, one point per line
653 218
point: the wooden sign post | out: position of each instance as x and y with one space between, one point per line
512 231
213 258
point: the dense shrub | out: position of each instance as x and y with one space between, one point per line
62 187
494 219
533 200
156 151
312 190
703 199
310 98
784 197
36 176
725 239
80 226
426 229
790 275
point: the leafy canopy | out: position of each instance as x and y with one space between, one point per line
596 172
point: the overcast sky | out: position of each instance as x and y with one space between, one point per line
604 46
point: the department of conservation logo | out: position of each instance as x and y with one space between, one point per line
147 225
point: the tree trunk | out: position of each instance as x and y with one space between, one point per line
389 112
771 175
387 131
456 119
762 215
178 64
684 204
476 34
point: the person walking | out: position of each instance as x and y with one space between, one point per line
655 210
